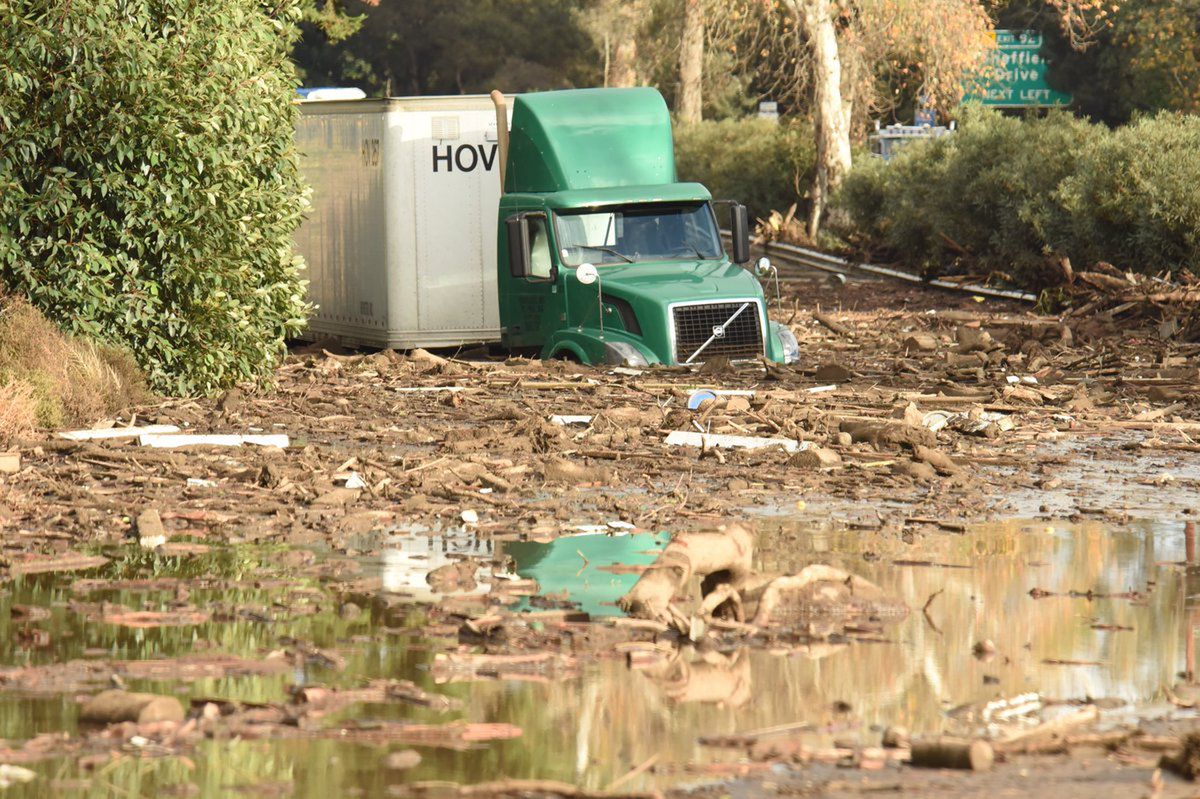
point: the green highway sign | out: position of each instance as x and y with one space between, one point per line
1019 79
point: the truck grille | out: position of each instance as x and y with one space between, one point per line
694 325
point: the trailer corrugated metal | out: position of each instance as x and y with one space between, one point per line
401 239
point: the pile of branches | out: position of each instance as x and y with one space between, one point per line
1169 300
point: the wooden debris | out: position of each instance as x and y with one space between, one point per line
954 753
111 707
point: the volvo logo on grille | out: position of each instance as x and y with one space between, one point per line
719 331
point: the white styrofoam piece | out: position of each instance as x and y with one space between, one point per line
686 438
117 432
168 440
563 421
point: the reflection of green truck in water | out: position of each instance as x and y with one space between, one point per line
597 254
577 566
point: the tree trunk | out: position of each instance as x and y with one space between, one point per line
607 58
831 116
624 63
623 70
691 62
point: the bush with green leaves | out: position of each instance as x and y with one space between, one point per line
764 164
149 185
1004 194
1134 201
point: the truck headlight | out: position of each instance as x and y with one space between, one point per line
619 353
787 340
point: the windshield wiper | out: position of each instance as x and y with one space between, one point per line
608 250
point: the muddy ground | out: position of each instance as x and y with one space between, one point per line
998 473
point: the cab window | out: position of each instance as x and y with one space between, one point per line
540 264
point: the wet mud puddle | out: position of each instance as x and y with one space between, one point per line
326 674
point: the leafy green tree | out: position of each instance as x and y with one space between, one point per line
149 186
1146 59
417 47
330 17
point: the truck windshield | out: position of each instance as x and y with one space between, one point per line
638 233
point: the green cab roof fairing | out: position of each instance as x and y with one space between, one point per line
589 139
626 195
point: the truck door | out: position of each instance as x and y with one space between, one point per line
534 305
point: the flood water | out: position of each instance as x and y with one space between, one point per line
592 728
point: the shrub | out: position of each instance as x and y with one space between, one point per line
50 379
1133 201
1002 194
148 182
764 164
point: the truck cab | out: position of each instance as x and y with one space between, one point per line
603 256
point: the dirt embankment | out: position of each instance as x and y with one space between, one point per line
49 379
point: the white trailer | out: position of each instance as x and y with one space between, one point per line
401 239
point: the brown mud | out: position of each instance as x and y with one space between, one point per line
420 594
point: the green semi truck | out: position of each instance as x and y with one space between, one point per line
584 246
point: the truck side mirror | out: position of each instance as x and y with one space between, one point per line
739 226
518 245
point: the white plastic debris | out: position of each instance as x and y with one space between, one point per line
625 370
978 424
1004 709
197 482
936 420
967 423
686 438
469 517
11 775
619 524
702 395
563 421
168 440
118 432
820 389
355 480
10 462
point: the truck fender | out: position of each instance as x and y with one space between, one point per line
590 349
571 350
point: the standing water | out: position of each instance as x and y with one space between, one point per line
1013 614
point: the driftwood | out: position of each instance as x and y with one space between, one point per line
712 678
953 753
111 707
816 585
730 588
725 557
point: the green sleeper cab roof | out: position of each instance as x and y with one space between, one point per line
589 139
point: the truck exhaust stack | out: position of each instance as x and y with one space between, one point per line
501 132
